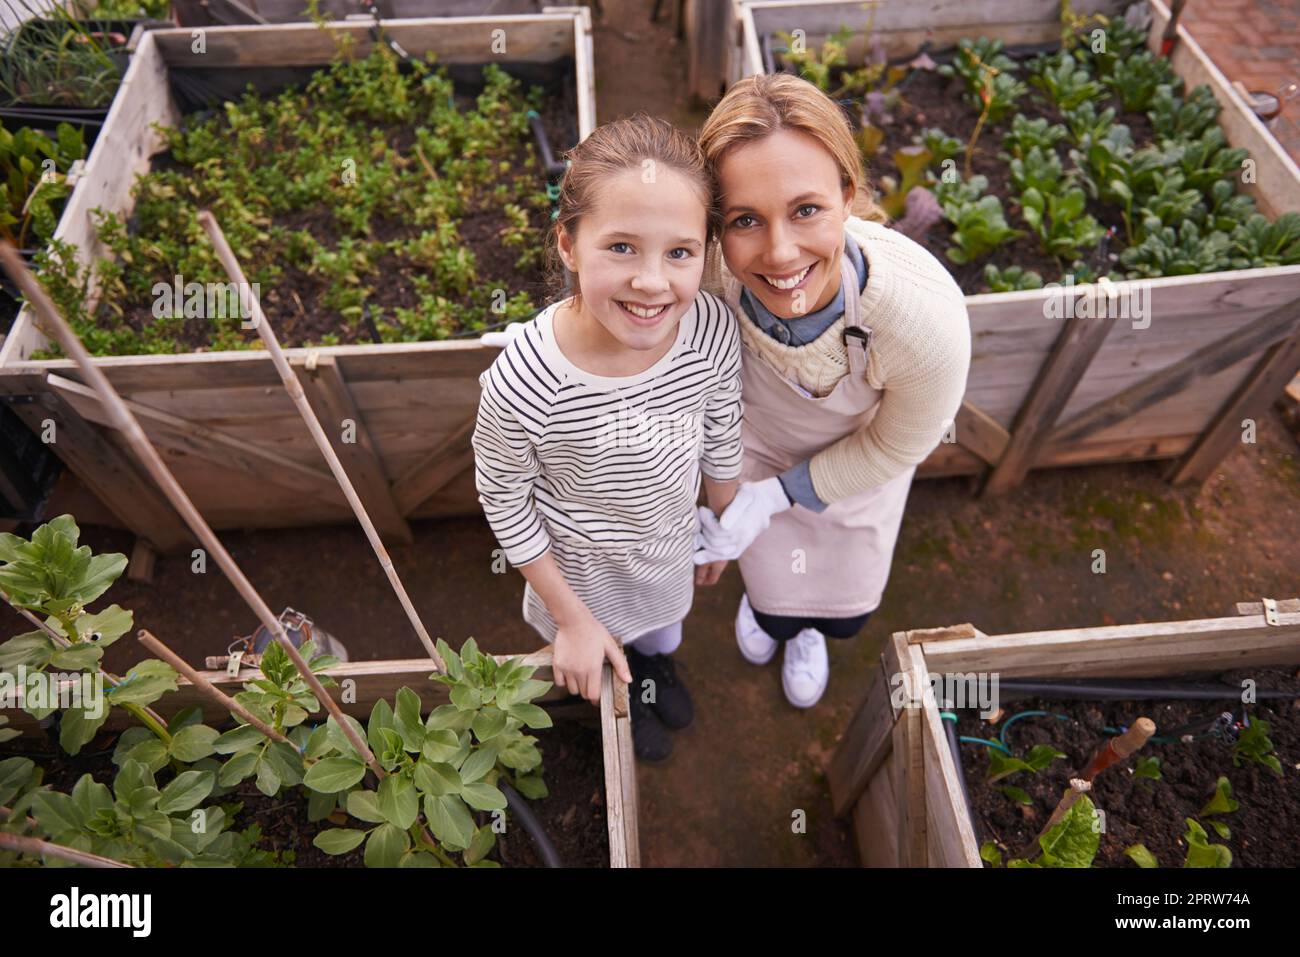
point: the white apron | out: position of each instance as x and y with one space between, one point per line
832 564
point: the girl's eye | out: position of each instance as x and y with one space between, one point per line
811 206
615 247
680 249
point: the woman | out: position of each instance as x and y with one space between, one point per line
856 345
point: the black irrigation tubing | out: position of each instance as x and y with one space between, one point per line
1121 691
519 805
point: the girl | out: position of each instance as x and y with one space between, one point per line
600 414
856 349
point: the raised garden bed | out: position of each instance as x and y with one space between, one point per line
451 749
412 403
1085 372
894 771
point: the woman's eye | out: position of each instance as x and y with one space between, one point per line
741 221
616 247
801 209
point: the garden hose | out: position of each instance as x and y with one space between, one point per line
550 856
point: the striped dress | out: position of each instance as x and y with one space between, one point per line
604 472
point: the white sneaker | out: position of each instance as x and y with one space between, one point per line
805 669
756 645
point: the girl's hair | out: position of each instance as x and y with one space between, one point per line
626 144
760 105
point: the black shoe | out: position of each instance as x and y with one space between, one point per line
670 700
651 741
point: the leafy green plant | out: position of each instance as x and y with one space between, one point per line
1011 279
1040 170
1071 842
1087 125
1173 118
1227 209
1170 204
978 229
1255 745
1059 221
1177 251
1115 173
992 86
815 65
1200 852
941 145
56 60
1026 134
1119 41
442 767
1136 77
1221 803
1002 765
33 171
1066 83
912 163
1146 770
1207 159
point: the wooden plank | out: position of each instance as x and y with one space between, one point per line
875 819
909 753
447 460
584 64
143 558
108 471
1209 359
1074 350
863 746
627 774
950 633
1290 605
618 849
949 831
1141 650
528 38
210 444
1250 400
328 394
981 433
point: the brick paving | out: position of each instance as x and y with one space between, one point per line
1258 43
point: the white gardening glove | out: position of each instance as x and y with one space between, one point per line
502 337
749 513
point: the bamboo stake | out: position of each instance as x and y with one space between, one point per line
34 845
207 687
121 418
250 306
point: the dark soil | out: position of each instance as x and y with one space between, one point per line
1265 829
572 814
931 100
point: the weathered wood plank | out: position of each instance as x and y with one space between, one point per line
862 747
447 460
1074 350
614 819
981 433
1250 400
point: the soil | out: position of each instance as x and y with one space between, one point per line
572 814
1265 829
930 100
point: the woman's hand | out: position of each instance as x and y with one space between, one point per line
581 647
749 513
709 573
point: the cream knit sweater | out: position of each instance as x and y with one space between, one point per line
919 359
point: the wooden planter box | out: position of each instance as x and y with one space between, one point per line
382 679
893 770
233 437
203 13
1046 391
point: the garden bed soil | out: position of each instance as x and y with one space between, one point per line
930 100
1265 828
573 812
295 305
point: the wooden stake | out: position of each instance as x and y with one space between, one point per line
125 422
291 385
34 845
206 686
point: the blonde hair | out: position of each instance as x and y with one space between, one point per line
618 146
760 105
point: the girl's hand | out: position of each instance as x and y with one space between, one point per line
581 648
709 573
